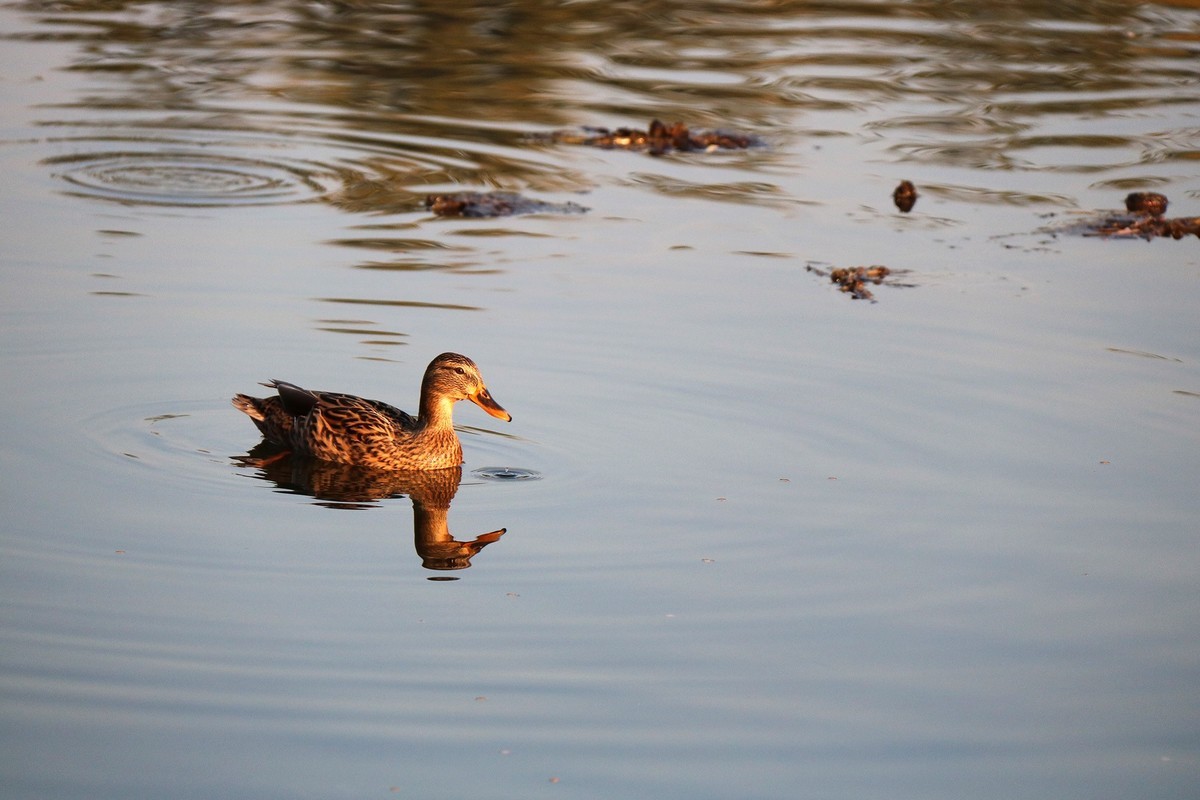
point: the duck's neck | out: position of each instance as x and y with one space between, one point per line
436 412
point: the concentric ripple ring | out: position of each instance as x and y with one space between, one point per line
189 178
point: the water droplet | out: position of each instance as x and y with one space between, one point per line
507 474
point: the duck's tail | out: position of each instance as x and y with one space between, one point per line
250 406
268 415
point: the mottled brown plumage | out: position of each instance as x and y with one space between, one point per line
353 430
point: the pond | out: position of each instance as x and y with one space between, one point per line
745 536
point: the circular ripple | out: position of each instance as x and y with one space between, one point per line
506 474
188 178
187 442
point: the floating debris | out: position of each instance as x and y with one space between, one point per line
1149 203
494 204
1146 227
905 196
658 140
1144 220
853 280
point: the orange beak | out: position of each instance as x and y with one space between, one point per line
484 400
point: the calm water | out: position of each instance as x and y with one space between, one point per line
760 540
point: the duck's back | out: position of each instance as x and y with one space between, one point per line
353 430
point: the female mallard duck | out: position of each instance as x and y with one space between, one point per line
352 430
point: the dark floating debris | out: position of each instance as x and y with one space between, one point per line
1144 220
494 204
854 280
1148 227
905 196
1150 203
658 140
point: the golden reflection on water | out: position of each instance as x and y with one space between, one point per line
347 486
367 107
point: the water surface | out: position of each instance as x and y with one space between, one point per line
759 539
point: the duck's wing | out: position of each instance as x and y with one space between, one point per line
328 425
343 427
401 419
299 402
295 400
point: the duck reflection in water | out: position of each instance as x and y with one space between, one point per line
351 486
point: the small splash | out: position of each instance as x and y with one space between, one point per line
506 474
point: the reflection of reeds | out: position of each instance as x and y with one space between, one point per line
368 301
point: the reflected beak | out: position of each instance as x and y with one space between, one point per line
484 400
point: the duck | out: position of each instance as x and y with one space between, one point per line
346 429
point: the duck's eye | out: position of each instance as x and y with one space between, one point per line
459 370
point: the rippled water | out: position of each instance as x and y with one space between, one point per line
744 537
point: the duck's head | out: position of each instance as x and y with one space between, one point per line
455 377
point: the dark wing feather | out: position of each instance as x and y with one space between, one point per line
296 401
